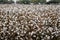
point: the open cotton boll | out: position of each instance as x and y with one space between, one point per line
50 29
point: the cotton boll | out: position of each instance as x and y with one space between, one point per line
50 29
4 28
48 37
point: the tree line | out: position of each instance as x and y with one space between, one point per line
26 1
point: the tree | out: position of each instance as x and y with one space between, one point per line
38 1
24 1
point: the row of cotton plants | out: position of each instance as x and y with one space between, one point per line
29 22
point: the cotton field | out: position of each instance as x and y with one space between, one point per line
29 22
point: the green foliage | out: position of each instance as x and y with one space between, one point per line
29 1
6 1
32 1
24 1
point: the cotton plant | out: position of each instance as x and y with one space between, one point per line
37 22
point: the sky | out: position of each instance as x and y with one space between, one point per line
47 0
15 1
